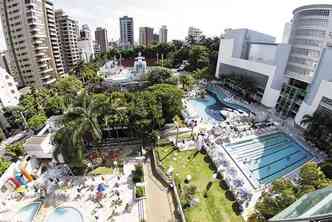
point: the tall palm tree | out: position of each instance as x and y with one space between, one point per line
80 126
307 120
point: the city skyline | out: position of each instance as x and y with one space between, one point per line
214 18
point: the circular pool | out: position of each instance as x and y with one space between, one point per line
27 213
65 214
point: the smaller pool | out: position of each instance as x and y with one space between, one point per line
27 213
68 214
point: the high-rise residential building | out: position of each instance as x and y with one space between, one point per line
145 36
85 44
9 95
295 78
96 48
163 34
68 32
155 38
194 34
101 39
126 32
85 33
32 41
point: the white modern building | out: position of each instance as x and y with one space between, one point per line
247 52
294 77
163 32
195 34
309 68
68 32
85 44
9 95
32 41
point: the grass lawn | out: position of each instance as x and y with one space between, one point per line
216 207
101 171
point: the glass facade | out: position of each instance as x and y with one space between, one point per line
310 207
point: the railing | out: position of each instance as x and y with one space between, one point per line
158 169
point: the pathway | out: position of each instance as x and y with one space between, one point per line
159 204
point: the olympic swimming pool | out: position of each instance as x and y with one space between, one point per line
270 157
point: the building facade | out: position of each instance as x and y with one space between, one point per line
299 72
9 95
126 32
85 44
68 32
308 69
32 42
145 36
101 39
194 34
163 32
256 55
155 38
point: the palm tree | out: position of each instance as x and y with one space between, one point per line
307 120
81 127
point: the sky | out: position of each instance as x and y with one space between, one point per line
211 16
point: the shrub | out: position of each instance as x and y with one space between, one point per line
4 164
326 167
15 150
140 192
138 174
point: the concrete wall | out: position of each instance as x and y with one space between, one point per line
321 86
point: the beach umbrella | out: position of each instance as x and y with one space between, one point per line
232 171
101 187
237 182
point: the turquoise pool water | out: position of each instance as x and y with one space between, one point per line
221 96
269 157
68 214
27 213
204 109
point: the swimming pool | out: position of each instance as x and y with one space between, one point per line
68 214
27 213
222 98
208 109
269 157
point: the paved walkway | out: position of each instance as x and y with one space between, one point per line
159 205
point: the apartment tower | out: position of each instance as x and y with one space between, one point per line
101 39
68 32
32 42
145 36
163 34
126 32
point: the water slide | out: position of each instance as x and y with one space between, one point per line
25 173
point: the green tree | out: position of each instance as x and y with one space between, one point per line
170 98
158 75
187 82
37 121
15 150
198 58
283 195
327 169
311 175
69 86
4 164
55 105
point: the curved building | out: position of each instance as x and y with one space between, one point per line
309 65
311 32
